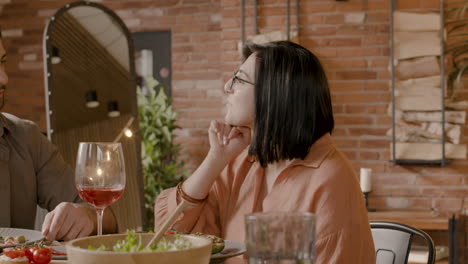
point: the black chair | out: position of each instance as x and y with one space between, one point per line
392 242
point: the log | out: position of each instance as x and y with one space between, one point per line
431 81
457 117
418 91
269 37
410 133
416 44
452 132
460 105
426 132
417 68
272 36
407 137
428 151
418 103
405 21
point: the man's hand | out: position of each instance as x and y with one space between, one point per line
69 221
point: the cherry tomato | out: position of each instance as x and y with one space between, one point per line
42 256
14 253
29 253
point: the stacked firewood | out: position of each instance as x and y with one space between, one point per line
418 93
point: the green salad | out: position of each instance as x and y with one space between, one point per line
133 243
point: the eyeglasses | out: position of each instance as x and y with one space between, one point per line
236 79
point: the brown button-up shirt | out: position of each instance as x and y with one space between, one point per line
32 172
323 183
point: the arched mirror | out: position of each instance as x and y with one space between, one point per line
91 92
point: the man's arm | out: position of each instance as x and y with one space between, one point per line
69 218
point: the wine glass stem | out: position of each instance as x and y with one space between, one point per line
100 213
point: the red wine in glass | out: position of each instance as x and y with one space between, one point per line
100 175
100 197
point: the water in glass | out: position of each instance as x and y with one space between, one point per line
280 238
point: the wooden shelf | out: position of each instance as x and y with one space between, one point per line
425 220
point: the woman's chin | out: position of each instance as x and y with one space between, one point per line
231 121
237 122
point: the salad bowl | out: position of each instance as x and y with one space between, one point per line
86 251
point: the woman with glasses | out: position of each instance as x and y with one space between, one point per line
274 152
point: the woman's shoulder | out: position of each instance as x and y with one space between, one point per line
325 163
324 153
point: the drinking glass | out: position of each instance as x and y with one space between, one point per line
100 175
280 238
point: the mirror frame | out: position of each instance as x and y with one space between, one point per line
47 50
47 57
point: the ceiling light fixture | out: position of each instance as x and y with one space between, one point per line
55 59
113 109
91 99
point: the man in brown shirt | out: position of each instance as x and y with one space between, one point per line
32 172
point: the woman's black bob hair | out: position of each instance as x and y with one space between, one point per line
292 101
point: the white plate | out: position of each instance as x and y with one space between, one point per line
231 249
31 236
59 249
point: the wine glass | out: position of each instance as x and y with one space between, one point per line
100 175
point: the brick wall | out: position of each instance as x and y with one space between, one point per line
351 38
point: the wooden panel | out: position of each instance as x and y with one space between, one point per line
85 65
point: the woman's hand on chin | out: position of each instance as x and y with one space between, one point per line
227 141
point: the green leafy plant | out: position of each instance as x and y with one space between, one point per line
161 169
456 25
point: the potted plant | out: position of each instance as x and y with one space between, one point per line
456 25
161 169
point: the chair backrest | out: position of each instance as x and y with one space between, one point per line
392 242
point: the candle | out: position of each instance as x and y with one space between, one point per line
365 179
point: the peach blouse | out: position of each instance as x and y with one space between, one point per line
323 183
